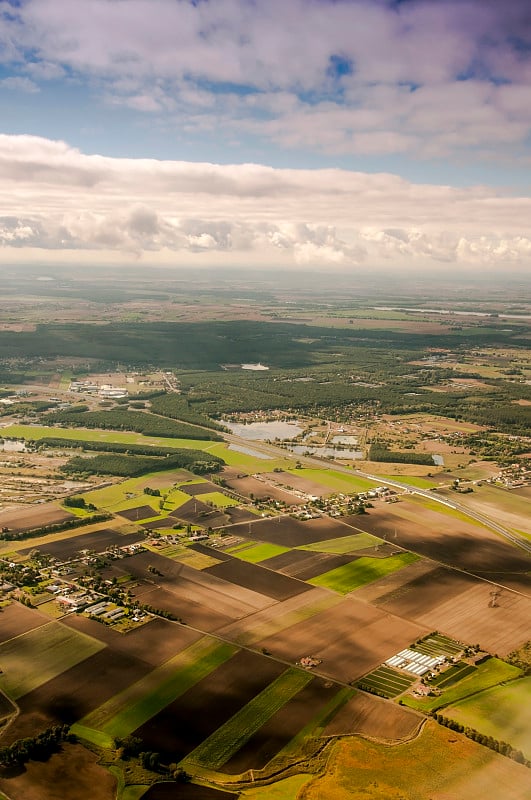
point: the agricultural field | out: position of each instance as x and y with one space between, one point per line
351 576
386 682
37 656
438 763
500 712
367 715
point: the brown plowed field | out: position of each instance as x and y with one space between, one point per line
182 607
201 585
469 618
236 515
193 489
272 584
186 791
446 539
351 638
214 552
82 688
262 490
152 643
138 513
426 591
190 719
97 540
393 582
71 774
308 565
16 619
282 727
27 518
294 533
194 512
371 716
298 482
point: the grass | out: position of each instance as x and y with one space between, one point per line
218 499
230 737
287 789
185 555
95 737
362 571
125 712
491 673
29 660
438 763
501 712
348 544
437 644
259 552
336 481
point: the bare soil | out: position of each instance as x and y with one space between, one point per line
251 576
351 638
261 490
97 540
16 619
305 565
185 723
287 479
27 518
449 540
186 791
293 532
140 512
372 716
72 773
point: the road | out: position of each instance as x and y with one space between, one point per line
274 451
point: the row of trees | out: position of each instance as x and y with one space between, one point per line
40 747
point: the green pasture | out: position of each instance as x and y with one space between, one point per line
501 712
125 712
218 499
37 432
347 544
259 552
29 660
491 673
335 481
230 737
362 571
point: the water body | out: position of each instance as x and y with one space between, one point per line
451 311
325 452
345 439
262 431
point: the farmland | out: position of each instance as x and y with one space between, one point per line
258 603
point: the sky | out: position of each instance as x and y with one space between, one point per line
313 134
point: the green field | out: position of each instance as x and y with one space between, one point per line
287 789
125 712
387 681
230 737
218 499
347 544
412 480
257 552
336 481
29 660
501 712
437 644
362 571
491 673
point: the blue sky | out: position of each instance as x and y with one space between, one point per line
419 111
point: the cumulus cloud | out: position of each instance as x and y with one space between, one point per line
54 197
341 76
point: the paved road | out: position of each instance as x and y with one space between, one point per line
275 451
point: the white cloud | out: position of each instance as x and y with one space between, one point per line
56 198
420 77
18 83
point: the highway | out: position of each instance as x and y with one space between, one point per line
274 451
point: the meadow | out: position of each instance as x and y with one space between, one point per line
358 573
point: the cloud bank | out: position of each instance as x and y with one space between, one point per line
57 202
